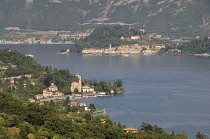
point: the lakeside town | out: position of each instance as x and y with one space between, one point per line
127 50
16 35
52 93
78 90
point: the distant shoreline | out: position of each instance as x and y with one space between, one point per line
200 55
37 44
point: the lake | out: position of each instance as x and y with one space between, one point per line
172 92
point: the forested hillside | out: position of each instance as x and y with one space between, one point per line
196 46
25 64
20 120
168 17
33 77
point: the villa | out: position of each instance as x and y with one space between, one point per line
86 88
31 100
133 130
103 120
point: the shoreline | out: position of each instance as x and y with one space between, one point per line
127 55
111 54
36 44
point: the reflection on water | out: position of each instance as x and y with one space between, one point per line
170 91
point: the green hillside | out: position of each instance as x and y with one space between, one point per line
20 120
172 18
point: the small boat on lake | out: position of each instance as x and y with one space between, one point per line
125 55
30 55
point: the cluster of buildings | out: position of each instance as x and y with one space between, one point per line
80 104
86 90
51 91
45 37
33 41
78 92
124 49
3 68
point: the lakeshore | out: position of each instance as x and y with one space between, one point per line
52 93
160 89
124 51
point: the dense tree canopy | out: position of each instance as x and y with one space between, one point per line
25 64
197 46
44 121
41 77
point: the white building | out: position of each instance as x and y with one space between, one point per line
86 88
135 37
101 94
53 87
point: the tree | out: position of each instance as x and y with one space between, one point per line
201 136
118 83
4 133
147 137
23 134
143 126
87 117
66 101
92 107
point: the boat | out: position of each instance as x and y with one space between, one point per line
104 110
125 55
30 55
146 54
67 51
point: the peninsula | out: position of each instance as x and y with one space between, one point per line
122 40
21 75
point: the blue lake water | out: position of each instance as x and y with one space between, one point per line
172 92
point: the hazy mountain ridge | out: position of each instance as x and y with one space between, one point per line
162 16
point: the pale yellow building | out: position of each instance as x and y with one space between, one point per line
74 85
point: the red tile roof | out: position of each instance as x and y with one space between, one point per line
130 129
103 119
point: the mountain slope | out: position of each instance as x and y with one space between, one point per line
185 17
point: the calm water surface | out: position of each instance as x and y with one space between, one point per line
172 92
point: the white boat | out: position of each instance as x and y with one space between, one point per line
30 55
146 54
125 55
104 110
67 51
